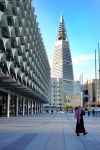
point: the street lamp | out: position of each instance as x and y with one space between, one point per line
96 82
99 67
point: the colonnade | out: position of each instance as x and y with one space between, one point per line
23 106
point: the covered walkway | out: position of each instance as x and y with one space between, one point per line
16 99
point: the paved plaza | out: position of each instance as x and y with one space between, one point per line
48 132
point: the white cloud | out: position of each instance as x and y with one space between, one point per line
83 58
79 59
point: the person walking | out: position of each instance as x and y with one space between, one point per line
79 112
93 112
88 112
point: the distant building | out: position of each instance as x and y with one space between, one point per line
85 93
57 92
76 99
91 92
24 66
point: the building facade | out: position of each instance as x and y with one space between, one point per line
76 99
62 68
24 66
91 92
57 92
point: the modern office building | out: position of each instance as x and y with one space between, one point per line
62 68
76 99
57 92
91 92
24 66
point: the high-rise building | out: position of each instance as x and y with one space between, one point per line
24 66
91 92
62 67
76 99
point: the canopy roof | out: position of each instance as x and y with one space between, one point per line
9 85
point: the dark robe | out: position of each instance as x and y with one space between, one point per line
80 124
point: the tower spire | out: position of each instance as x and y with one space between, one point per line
61 30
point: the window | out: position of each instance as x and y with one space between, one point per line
2 49
13 43
14 11
5 32
8 55
17 32
2 7
10 21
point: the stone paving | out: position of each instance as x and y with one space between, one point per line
48 132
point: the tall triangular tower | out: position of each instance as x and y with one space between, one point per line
62 30
62 67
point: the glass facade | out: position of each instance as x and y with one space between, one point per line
62 67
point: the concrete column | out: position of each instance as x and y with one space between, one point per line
35 108
39 107
17 106
42 108
27 107
23 102
32 107
8 105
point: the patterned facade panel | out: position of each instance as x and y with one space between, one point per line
20 38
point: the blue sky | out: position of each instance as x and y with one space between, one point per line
82 21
